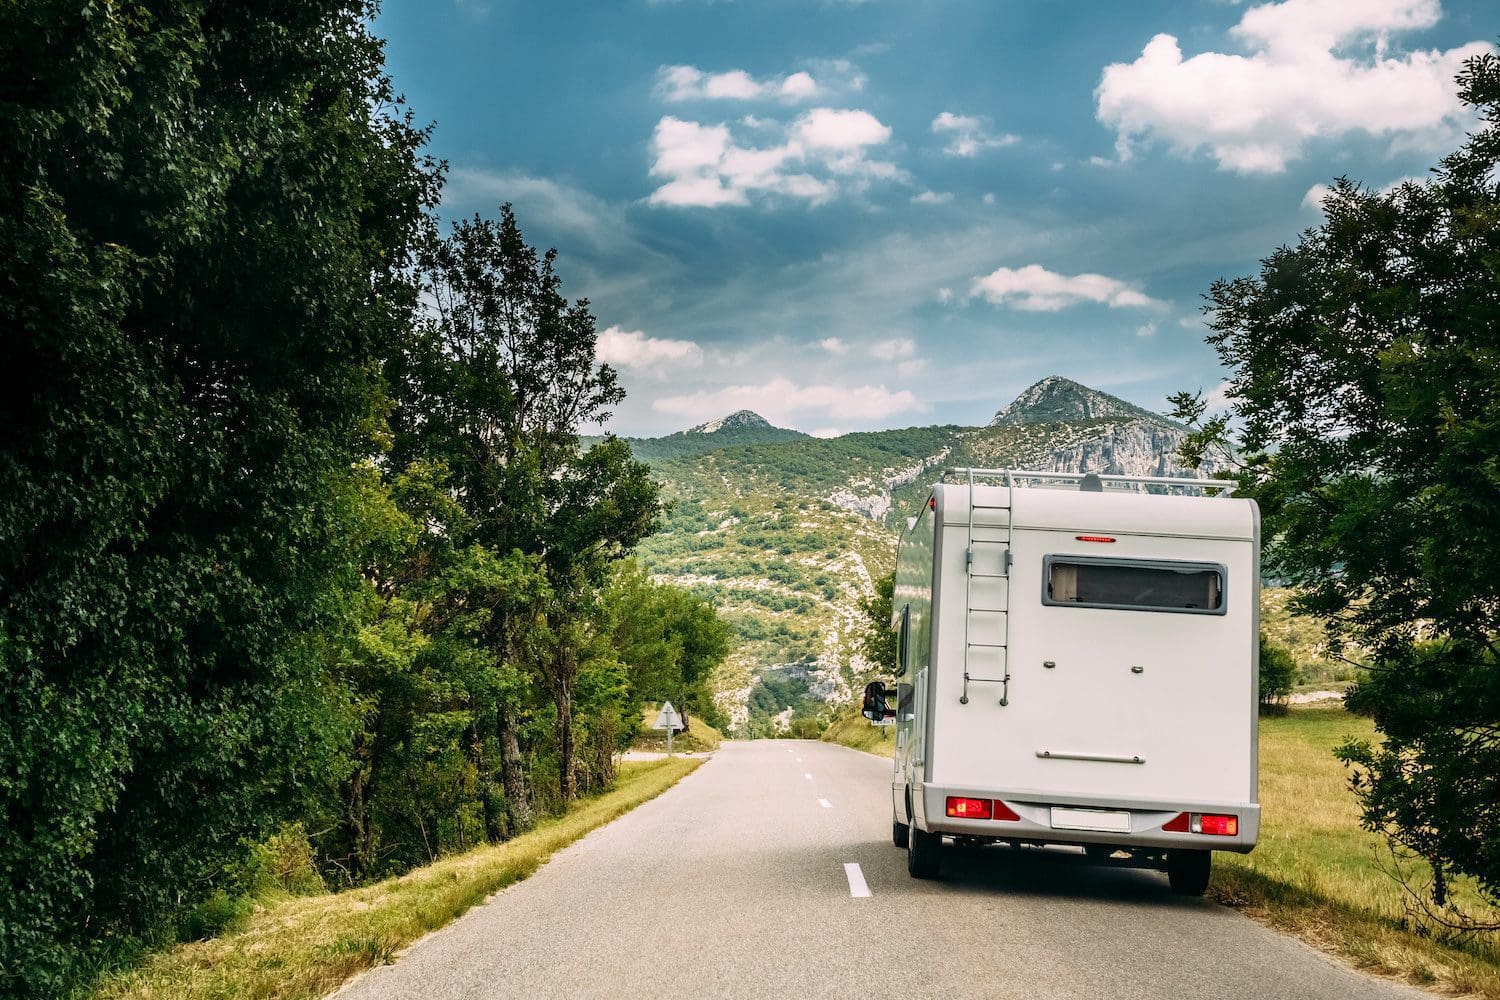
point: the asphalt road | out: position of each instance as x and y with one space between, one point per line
734 884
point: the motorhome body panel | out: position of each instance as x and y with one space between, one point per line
1146 710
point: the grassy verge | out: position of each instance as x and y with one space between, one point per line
699 738
1316 874
305 947
856 731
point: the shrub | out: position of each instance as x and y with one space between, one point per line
1278 673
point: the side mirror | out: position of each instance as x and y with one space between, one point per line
873 706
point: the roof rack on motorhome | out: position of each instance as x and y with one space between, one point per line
1012 477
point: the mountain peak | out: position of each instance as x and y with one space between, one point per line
738 420
1056 399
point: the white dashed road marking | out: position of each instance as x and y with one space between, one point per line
857 887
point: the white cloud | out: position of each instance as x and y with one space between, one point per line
933 197
915 366
968 135
820 153
826 432
689 83
633 349
833 345
827 78
945 295
1146 329
781 401
840 130
1036 289
1315 195
893 349
1314 68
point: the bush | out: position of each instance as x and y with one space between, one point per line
1278 673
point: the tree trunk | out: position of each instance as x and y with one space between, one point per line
567 766
361 831
513 771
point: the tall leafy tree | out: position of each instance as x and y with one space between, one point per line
500 377
877 640
669 640
1366 378
204 212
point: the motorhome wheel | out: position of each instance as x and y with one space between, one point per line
1188 871
924 853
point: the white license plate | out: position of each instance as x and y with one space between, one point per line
1100 820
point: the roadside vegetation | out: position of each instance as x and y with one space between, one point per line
291 947
1364 417
1318 874
304 566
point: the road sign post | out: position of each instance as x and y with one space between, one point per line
669 720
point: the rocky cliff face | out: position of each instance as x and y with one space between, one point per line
1130 448
1059 400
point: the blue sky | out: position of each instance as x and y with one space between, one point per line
856 215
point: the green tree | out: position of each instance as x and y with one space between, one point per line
1366 380
1278 672
669 640
878 641
204 211
499 378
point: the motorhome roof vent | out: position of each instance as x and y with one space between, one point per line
1091 483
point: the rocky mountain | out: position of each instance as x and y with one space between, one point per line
743 427
785 533
736 421
1057 400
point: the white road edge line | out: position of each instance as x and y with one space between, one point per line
857 887
825 803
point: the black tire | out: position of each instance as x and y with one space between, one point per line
1188 871
899 832
924 853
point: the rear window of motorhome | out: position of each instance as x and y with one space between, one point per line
1134 585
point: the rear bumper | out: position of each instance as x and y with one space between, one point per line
1035 823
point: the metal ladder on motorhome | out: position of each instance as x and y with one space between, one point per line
972 554
1009 476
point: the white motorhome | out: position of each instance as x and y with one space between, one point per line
1078 666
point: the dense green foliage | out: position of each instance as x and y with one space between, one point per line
880 642
1367 379
669 641
205 211
297 538
1278 672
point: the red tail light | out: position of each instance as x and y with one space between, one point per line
1093 538
1208 824
1005 813
961 808
1215 825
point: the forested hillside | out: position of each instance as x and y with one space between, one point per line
785 534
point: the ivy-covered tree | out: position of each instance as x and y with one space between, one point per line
205 212
499 378
1365 368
